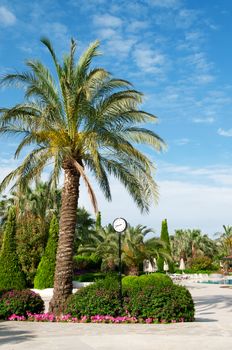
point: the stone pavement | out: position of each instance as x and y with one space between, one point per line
212 330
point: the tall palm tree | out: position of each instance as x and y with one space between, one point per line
80 119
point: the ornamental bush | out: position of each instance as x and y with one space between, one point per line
156 302
11 275
201 263
20 302
142 281
162 304
44 277
100 298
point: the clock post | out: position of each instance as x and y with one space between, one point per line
120 225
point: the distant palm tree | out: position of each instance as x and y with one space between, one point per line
225 241
81 119
188 244
104 244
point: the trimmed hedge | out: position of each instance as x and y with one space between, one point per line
159 302
20 302
11 275
44 277
142 281
163 304
90 277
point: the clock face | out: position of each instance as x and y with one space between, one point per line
120 225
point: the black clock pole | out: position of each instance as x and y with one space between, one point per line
120 268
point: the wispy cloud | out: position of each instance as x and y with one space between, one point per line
107 20
165 3
226 133
149 60
207 120
7 18
182 142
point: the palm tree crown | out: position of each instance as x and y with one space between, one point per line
88 120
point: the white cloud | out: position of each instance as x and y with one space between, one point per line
107 20
207 120
182 142
184 204
165 3
226 133
7 18
150 61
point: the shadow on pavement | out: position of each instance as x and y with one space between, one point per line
9 335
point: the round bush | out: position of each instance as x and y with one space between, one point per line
19 303
163 304
153 279
100 298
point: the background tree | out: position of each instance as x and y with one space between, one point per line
87 120
44 277
11 275
189 244
164 237
224 242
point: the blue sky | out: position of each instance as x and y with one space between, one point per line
178 53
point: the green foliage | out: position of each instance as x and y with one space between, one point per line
11 275
201 263
45 273
100 298
86 262
31 241
153 279
19 303
90 277
164 237
163 303
98 221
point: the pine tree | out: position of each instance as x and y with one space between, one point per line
164 236
45 273
11 275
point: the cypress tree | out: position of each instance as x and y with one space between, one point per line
164 236
11 275
44 277
98 220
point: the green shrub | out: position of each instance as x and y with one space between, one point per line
163 301
11 275
201 263
142 281
19 303
90 277
100 298
86 262
172 302
44 277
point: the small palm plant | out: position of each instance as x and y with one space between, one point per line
80 119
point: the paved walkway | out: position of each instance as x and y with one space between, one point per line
212 330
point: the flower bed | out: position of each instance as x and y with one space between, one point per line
49 317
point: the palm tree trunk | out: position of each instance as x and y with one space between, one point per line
64 258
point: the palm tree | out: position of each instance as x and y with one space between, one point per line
188 244
133 248
225 241
104 244
80 119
